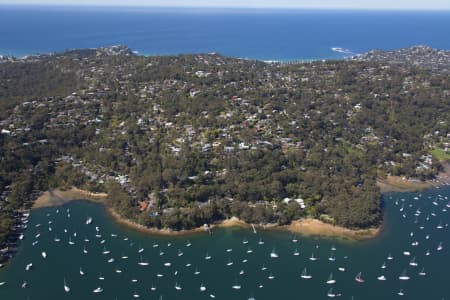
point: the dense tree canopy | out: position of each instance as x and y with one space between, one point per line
200 138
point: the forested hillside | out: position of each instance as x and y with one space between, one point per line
179 141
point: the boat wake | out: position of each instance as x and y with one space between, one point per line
342 50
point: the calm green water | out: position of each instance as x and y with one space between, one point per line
45 279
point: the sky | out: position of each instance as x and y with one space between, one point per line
320 4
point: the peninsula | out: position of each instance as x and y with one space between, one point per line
179 141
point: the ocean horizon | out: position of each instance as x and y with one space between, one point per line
263 34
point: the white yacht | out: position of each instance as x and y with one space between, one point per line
66 287
273 254
330 293
305 274
330 279
202 288
413 262
143 263
28 266
403 276
313 258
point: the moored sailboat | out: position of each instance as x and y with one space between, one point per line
403 276
143 263
330 293
305 274
273 254
66 287
313 258
358 278
330 279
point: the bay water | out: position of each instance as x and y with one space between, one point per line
414 222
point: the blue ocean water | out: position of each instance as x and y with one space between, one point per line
259 34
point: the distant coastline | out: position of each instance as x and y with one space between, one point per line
299 35
292 60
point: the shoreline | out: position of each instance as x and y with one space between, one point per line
334 55
401 184
58 197
307 227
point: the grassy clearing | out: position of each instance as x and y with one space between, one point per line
440 154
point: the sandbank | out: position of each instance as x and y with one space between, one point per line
401 184
57 197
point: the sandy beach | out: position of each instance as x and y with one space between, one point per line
401 184
59 197
315 227
308 227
